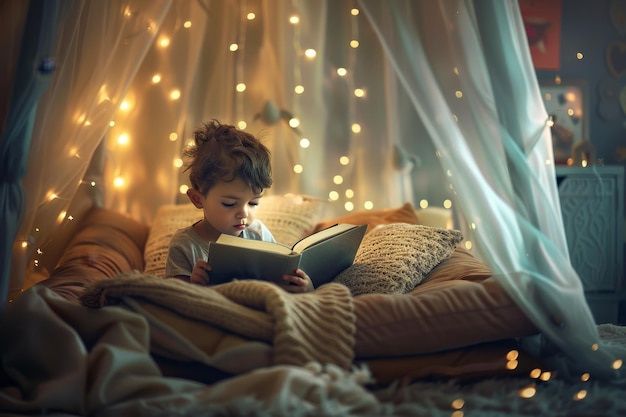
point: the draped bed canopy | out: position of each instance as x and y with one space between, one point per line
419 101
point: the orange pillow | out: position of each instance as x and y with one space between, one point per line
373 218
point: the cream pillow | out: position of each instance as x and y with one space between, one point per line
395 258
167 221
289 217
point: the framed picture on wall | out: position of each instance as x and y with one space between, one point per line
566 103
542 21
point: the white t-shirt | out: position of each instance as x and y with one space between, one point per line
186 247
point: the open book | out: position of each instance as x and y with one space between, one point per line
322 255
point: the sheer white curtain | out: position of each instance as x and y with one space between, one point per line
438 102
98 48
473 86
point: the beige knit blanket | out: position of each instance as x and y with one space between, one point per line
317 326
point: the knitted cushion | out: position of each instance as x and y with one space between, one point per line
289 217
395 258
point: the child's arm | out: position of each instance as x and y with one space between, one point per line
298 282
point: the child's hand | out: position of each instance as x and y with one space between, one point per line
298 282
200 273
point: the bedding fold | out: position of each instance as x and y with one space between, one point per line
318 326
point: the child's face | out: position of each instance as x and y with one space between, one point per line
229 207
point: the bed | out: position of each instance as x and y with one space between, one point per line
417 326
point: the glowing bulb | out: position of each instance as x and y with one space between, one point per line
24 244
618 364
294 20
242 124
368 205
342 72
344 160
125 106
173 136
458 404
512 355
511 365
423 204
178 162
585 377
579 55
458 94
338 179
61 216
354 44
187 24
175 94
580 395
156 78
359 92
118 182
354 12
164 42
123 139
545 376
447 204
241 87
298 169
298 89
294 122
111 123
305 143
349 193
183 189
251 16
356 128
333 195
52 196
348 206
528 392
310 53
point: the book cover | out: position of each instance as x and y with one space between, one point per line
322 255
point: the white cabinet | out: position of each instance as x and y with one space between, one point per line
592 205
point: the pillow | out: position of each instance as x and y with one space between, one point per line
373 218
395 258
168 219
289 217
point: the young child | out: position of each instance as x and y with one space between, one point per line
228 171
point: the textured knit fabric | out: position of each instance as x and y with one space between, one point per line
316 326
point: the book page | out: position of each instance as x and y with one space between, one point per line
253 244
320 236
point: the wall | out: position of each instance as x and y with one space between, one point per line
591 28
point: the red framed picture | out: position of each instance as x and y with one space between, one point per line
542 20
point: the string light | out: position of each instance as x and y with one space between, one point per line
175 94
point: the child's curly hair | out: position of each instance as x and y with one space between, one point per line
223 153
